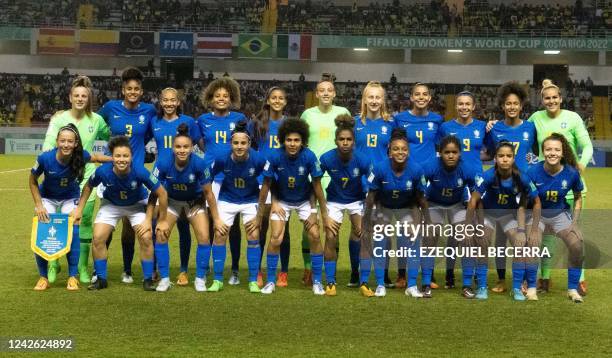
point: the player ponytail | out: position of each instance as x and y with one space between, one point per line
294 125
85 82
569 158
241 128
261 122
183 131
548 84
344 122
76 162
515 173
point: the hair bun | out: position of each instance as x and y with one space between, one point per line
345 121
547 83
183 129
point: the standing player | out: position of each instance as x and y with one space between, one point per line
287 173
186 177
471 133
397 187
522 134
221 96
504 193
421 127
125 196
345 192
63 169
448 180
165 127
131 118
90 127
553 119
238 195
320 120
264 131
554 179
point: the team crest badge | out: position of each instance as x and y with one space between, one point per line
301 170
232 126
477 133
409 185
563 125
564 184
90 129
133 184
141 119
525 136
356 172
430 126
383 129
479 180
459 182
252 171
191 178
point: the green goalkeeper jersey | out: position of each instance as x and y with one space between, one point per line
322 128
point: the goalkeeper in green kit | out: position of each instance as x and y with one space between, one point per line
91 126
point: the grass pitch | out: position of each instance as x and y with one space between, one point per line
125 321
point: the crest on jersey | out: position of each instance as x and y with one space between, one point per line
141 119
479 180
232 126
409 184
90 129
191 178
525 136
356 172
301 170
251 171
563 125
564 184
430 126
133 184
459 182
476 133
383 129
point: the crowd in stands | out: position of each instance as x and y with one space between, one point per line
49 93
434 18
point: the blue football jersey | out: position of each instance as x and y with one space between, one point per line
124 190
497 198
447 188
397 192
164 132
522 137
422 133
472 138
346 184
552 189
239 185
132 123
291 174
58 183
185 184
372 138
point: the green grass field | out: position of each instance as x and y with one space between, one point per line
124 320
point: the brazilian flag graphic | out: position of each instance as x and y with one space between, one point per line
255 46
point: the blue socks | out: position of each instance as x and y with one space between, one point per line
531 271
253 253
317 267
184 243
481 274
573 277
218 254
272 262
413 263
100 267
162 254
518 272
330 271
42 265
75 250
427 268
147 269
468 264
202 260
354 248
365 266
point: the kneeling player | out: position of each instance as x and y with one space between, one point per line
187 179
291 165
124 197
